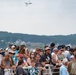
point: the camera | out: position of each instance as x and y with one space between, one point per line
47 67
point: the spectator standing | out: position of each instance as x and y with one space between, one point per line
34 70
52 46
72 67
63 68
20 70
46 56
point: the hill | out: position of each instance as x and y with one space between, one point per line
13 37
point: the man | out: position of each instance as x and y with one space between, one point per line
47 56
63 68
71 52
72 67
52 46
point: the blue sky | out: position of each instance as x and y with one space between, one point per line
42 17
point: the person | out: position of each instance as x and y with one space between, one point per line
71 52
37 51
63 69
24 55
52 46
72 58
6 64
34 70
72 66
54 56
32 56
1 57
60 54
46 56
20 70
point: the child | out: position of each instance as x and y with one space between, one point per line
34 70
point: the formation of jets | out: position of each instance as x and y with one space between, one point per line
28 3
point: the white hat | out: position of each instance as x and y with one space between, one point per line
12 46
6 49
11 51
72 56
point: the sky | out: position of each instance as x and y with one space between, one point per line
42 17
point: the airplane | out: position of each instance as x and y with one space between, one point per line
28 3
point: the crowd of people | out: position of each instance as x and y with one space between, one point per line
19 57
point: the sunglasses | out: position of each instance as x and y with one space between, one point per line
11 53
62 50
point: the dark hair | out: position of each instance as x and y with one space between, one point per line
45 46
63 46
71 49
75 56
75 49
59 47
33 61
67 47
52 44
37 54
20 62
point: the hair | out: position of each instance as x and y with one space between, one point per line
52 44
71 49
63 46
75 49
22 49
64 60
33 61
20 62
59 47
45 46
75 56
37 54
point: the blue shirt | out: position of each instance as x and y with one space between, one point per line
14 57
63 70
68 56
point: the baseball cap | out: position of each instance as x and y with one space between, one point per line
47 48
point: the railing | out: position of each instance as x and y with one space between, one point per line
48 71
9 72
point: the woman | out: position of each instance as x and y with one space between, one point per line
23 54
32 56
6 64
20 70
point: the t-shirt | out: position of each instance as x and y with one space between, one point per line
72 68
20 70
45 57
33 71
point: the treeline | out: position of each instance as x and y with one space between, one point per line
12 37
